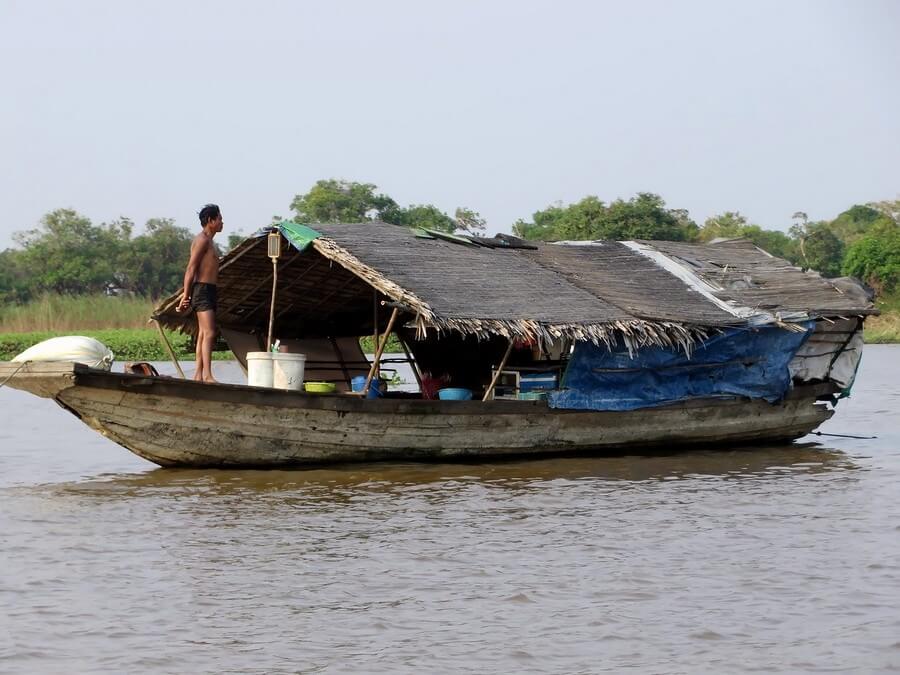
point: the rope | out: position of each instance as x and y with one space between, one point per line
865 438
15 372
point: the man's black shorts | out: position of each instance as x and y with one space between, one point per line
203 297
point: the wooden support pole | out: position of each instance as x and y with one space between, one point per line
378 352
375 318
340 358
488 394
169 349
413 363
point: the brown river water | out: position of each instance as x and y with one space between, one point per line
774 559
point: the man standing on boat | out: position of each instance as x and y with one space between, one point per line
199 291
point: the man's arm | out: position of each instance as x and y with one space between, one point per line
198 249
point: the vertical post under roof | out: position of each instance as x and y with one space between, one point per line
378 352
375 318
490 390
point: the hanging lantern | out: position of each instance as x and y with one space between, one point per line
274 245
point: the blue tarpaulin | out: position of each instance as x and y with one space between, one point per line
751 362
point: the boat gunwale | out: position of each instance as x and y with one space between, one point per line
277 398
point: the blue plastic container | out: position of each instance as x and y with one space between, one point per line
532 396
529 382
455 394
358 382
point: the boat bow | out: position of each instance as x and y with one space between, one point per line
45 379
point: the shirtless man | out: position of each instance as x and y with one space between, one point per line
200 288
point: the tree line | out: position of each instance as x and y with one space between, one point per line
68 254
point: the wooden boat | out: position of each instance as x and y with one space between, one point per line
472 309
174 422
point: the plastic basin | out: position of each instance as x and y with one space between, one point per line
319 387
455 394
358 382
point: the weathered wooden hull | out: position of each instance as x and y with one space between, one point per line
184 423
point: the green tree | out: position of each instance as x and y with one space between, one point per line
544 224
154 262
889 208
234 238
644 216
16 285
856 221
875 258
775 242
67 254
728 225
732 225
421 215
430 217
819 247
469 220
341 201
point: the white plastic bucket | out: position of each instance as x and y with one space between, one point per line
259 369
287 370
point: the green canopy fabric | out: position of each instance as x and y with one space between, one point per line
299 235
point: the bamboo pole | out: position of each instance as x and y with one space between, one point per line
169 349
378 352
488 394
375 318
413 363
272 307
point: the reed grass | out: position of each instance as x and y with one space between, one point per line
883 329
66 313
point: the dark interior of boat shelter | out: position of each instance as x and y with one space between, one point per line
322 309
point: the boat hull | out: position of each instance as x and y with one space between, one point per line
184 423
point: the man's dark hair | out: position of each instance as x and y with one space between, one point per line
208 213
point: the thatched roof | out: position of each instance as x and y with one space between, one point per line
660 293
750 277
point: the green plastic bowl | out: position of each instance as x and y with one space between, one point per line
319 387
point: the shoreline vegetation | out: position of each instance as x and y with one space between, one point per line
122 325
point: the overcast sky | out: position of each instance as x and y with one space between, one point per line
151 109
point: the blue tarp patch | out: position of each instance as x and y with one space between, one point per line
739 362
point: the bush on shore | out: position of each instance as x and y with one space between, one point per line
126 344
